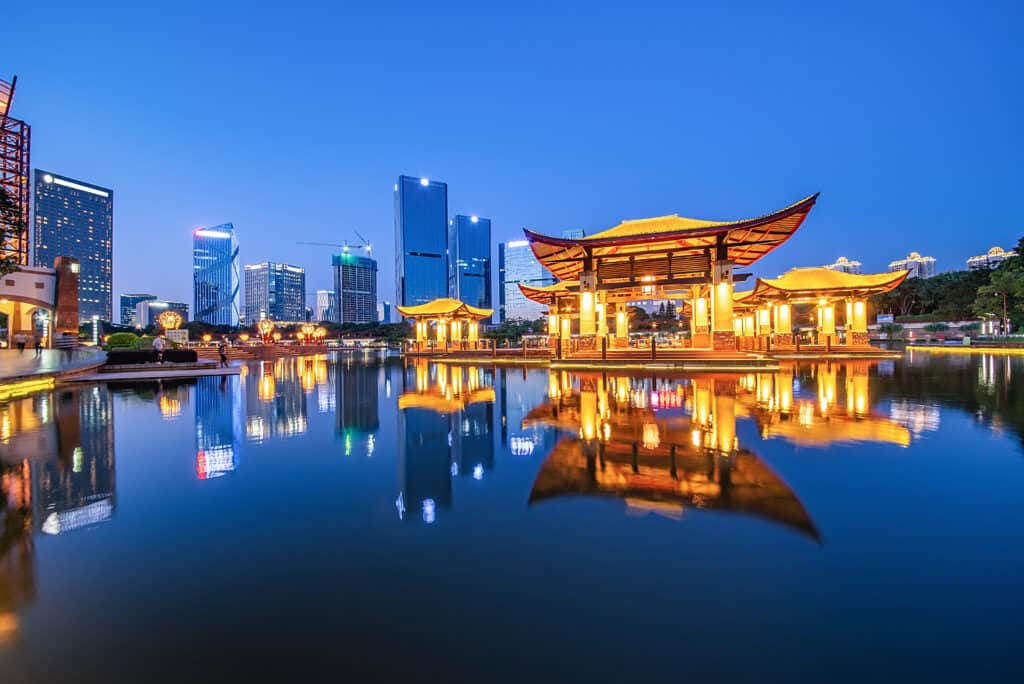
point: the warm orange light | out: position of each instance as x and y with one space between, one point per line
276 336
207 338
169 320
244 337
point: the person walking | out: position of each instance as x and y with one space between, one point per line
39 345
158 346
19 339
223 351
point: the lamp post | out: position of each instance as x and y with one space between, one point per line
1006 323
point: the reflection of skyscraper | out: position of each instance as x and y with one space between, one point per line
473 439
424 460
218 426
77 488
357 400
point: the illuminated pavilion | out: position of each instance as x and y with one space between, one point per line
453 322
764 315
661 258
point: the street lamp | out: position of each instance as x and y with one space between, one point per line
1006 323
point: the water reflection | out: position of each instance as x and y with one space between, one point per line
660 445
445 430
275 397
819 405
57 474
218 426
357 386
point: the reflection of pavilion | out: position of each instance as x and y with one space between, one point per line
218 426
445 427
275 397
618 446
838 410
57 474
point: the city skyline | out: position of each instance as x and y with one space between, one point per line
571 161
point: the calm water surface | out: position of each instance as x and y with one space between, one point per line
844 521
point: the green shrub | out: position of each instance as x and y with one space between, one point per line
122 340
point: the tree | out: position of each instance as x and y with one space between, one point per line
891 330
1007 282
12 227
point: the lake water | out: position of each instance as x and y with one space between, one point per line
363 518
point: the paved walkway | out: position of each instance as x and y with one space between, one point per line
27 364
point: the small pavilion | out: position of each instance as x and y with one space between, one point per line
764 315
454 323
655 258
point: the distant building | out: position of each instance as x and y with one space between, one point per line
516 264
919 266
275 291
147 312
128 304
326 306
845 265
469 260
215 276
15 158
384 312
355 282
991 259
76 219
574 233
421 220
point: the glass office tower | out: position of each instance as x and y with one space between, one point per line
517 264
421 220
76 219
355 285
215 275
129 302
275 291
469 260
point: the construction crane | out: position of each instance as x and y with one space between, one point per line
345 246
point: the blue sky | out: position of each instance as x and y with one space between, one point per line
293 121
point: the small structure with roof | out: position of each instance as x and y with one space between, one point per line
453 322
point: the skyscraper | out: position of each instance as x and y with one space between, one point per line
421 220
469 260
76 219
215 275
128 304
919 266
516 264
326 306
990 259
275 291
845 265
355 285
15 148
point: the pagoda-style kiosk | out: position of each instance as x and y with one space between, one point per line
764 316
657 258
455 324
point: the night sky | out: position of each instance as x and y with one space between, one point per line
293 122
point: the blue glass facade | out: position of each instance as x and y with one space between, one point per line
275 291
76 219
517 264
469 260
421 219
355 282
215 275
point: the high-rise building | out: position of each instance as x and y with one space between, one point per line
15 148
574 233
845 265
516 264
128 304
76 219
215 275
384 312
990 259
147 312
919 266
355 282
326 306
469 260
275 291
421 220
